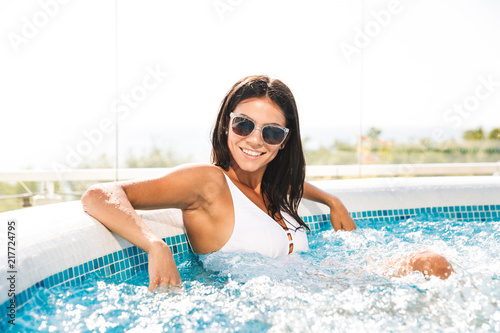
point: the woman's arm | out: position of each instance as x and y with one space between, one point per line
114 206
339 216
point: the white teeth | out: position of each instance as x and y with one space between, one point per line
251 153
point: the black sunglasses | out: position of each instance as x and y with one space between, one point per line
270 133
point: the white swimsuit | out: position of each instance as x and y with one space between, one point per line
255 231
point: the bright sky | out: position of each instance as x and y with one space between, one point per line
410 68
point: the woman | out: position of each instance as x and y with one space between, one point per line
246 201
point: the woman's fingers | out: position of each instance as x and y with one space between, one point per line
336 224
350 225
162 268
153 284
341 220
158 282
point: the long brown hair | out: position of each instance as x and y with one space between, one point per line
283 180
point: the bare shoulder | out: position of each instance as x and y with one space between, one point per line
196 168
209 181
186 187
200 174
206 182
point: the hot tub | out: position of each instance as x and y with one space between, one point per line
58 247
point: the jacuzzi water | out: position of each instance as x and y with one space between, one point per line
338 285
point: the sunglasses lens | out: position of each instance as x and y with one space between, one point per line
242 126
273 135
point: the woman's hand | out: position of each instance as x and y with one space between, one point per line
161 267
339 217
111 206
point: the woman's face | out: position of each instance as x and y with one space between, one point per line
250 153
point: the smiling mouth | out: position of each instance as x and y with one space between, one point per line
251 152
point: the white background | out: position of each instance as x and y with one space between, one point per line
59 80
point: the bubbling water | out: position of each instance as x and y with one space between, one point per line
339 285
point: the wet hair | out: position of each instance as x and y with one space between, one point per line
283 181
